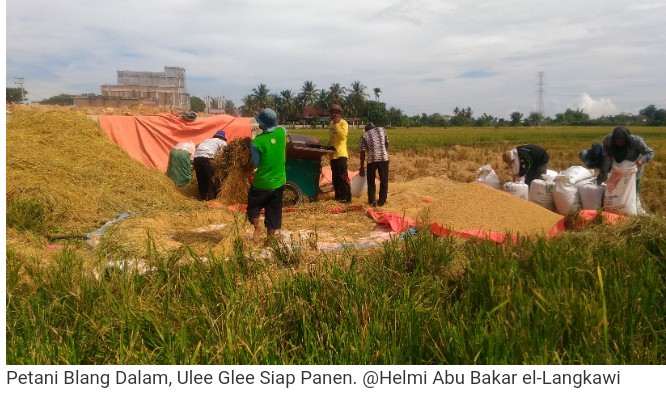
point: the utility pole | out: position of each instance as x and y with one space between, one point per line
541 84
19 81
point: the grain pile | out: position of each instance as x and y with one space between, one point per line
468 206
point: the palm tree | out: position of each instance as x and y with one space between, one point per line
249 105
288 105
261 95
377 90
308 95
356 98
323 98
229 107
336 94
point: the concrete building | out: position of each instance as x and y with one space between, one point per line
162 89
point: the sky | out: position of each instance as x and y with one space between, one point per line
604 57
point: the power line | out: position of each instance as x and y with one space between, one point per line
541 84
19 81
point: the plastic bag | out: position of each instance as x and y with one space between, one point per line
359 186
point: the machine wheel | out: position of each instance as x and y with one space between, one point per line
292 195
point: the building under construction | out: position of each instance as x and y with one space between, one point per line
161 89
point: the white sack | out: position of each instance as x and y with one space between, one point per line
487 176
541 193
620 196
591 194
577 173
565 195
517 189
550 175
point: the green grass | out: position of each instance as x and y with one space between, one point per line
27 215
592 297
423 138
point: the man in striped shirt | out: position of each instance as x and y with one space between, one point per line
373 146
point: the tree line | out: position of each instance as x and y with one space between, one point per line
310 105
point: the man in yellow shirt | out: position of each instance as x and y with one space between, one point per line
338 130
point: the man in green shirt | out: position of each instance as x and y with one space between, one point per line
269 153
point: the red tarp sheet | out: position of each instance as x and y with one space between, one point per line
149 139
401 224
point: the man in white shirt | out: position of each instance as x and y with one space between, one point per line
209 188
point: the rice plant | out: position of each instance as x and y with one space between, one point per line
416 300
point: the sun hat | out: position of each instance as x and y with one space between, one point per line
221 135
267 118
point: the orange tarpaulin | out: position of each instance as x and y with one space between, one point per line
396 222
401 224
326 176
586 217
149 139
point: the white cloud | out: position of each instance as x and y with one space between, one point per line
597 108
414 50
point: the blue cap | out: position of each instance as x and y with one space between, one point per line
221 135
267 118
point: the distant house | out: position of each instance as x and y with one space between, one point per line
312 115
162 89
310 112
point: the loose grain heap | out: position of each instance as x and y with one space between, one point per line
468 206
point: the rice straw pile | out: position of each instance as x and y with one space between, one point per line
63 159
233 167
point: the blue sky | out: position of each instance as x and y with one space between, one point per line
426 56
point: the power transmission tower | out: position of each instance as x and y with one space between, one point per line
19 81
541 89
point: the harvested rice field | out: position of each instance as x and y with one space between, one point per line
62 162
113 263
